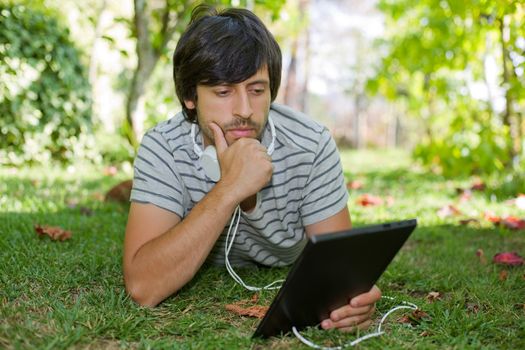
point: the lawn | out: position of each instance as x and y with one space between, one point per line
70 294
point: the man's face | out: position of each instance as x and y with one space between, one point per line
241 110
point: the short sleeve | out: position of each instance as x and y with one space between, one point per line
325 192
155 180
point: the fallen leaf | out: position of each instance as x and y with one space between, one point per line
424 334
53 232
433 296
481 255
257 311
448 210
490 216
414 318
503 274
478 185
469 221
508 258
354 185
519 306
390 200
120 192
366 200
513 223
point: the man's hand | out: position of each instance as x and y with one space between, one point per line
356 315
246 166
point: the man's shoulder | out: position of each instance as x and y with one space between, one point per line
297 128
296 120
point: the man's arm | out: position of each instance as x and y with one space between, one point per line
359 310
162 252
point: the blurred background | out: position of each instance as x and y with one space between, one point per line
441 79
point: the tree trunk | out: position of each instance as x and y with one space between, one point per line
508 115
93 58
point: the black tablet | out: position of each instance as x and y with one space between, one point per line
331 270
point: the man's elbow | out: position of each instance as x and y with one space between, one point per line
140 293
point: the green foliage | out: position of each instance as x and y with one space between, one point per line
44 92
436 51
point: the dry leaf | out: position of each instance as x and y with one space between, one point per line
448 210
508 258
513 223
503 274
469 221
490 216
433 296
366 200
243 308
53 232
120 192
257 311
481 255
414 318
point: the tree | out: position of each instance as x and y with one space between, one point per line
435 62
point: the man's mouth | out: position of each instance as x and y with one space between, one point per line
242 132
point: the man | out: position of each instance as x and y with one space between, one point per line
279 166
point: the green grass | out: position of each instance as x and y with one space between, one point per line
70 294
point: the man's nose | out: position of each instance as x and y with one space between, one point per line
243 106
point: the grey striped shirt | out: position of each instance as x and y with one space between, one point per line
307 185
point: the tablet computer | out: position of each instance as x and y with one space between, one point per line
332 269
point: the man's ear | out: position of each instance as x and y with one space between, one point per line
189 104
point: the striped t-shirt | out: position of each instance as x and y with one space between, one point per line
307 185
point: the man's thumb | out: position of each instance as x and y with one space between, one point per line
218 136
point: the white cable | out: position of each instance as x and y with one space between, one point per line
229 243
378 332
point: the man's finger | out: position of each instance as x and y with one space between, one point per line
368 298
218 135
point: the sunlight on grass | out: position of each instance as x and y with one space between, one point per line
70 294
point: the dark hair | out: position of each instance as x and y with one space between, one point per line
227 46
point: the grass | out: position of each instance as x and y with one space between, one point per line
56 295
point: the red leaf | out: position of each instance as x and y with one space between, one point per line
55 233
354 185
490 216
448 210
508 258
369 200
513 223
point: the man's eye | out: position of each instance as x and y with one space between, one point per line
222 92
257 91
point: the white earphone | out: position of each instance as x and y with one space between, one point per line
210 164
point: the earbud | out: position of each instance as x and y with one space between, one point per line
210 163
